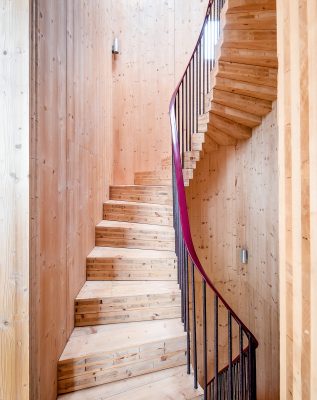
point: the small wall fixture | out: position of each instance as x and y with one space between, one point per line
244 256
115 46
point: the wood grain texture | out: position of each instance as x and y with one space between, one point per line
130 264
107 353
114 302
233 204
71 167
297 101
144 77
171 383
14 200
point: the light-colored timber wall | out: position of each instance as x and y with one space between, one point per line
297 102
156 39
14 200
71 157
233 202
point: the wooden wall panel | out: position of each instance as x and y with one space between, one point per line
89 132
233 204
156 39
14 200
71 167
297 101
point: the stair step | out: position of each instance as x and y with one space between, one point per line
227 126
188 173
248 73
246 88
107 263
133 235
234 6
153 178
146 213
108 353
264 58
250 39
171 383
115 302
249 20
239 116
141 193
241 102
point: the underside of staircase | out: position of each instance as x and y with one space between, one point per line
243 81
129 341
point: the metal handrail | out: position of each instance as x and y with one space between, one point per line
182 127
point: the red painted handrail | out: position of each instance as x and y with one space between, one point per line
182 196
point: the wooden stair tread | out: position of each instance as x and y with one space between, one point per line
117 263
138 212
171 383
138 204
158 194
125 252
134 225
109 289
113 302
113 338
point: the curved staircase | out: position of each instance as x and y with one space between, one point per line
129 340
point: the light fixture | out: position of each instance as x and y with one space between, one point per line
244 256
115 46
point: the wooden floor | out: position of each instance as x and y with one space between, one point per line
129 341
171 383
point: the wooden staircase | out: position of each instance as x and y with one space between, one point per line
243 81
129 341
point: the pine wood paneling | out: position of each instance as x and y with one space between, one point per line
233 204
297 40
156 39
14 200
71 167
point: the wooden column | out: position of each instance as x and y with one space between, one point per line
297 111
14 200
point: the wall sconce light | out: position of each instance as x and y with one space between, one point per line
244 256
115 46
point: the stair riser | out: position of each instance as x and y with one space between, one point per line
140 214
142 194
248 73
135 238
131 269
128 316
136 308
152 178
97 369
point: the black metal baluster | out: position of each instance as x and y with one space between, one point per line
205 350
204 72
199 77
187 313
197 90
216 344
194 328
229 356
252 370
241 391
183 125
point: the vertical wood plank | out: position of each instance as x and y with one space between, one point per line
14 200
297 38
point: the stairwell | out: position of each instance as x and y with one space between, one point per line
129 340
